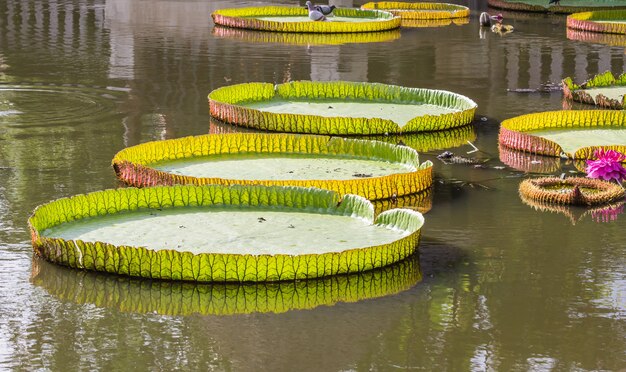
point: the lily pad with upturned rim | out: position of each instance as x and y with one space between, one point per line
566 6
604 90
137 295
605 21
340 108
91 232
571 190
295 19
537 133
372 169
423 11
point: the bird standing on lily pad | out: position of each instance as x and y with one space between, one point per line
315 12
555 2
607 166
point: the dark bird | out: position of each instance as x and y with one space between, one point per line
555 2
325 9
314 14
487 20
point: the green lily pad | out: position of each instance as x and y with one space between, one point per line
603 90
565 6
217 233
338 107
422 11
605 21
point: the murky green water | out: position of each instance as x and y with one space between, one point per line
504 286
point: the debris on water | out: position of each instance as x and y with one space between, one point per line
475 148
448 157
484 118
261 219
362 175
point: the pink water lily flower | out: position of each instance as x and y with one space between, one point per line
608 165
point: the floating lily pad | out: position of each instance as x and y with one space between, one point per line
226 234
372 169
574 134
606 21
138 295
425 11
295 19
571 190
422 23
603 90
306 38
339 107
565 6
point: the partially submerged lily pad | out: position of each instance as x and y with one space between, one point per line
372 169
340 107
605 21
571 190
424 11
295 19
573 134
565 6
226 234
138 295
305 38
603 90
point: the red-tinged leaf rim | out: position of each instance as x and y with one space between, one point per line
137 295
423 11
571 190
596 37
372 20
579 93
529 163
225 104
133 164
513 132
588 21
212 267
544 7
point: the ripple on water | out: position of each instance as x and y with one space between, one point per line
39 105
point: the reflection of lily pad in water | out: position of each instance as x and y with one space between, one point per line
217 233
421 202
295 19
417 23
420 10
433 140
575 134
371 169
565 6
175 298
340 107
305 38
603 90
529 163
596 37
600 214
606 21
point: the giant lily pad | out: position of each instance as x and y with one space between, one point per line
565 6
340 107
295 19
606 21
138 295
301 38
226 234
425 11
372 169
571 190
423 23
573 134
603 90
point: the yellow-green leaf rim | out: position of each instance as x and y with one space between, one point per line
372 20
300 38
225 105
578 93
424 11
136 295
211 267
132 165
513 131
588 21
568 6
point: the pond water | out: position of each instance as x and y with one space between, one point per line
505 286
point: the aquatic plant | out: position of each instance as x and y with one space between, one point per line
581 93
252 18
570 6
599 21
570 190
229 105
607 166
424 11
136 165
182 264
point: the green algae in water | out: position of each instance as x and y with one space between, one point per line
616 93
281 167
400 113
229 231
571 140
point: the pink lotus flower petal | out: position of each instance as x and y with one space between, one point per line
607 166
